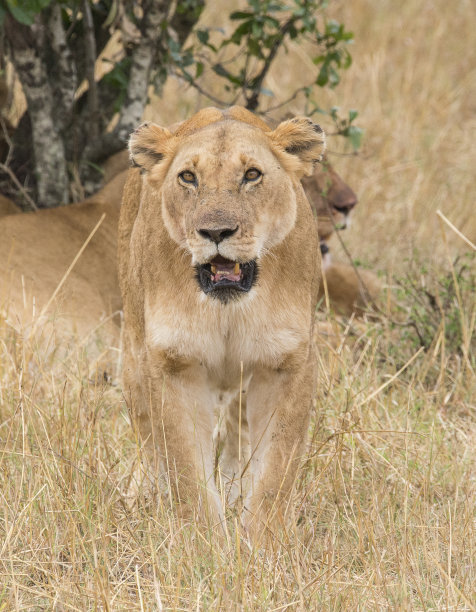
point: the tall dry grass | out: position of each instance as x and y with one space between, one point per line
385 504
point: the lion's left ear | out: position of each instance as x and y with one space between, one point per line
303 139
148 145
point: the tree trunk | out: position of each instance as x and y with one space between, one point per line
48 147
51 59
143 56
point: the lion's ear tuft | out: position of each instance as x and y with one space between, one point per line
302 138
148 145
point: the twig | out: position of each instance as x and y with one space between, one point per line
455 229
66 274
8 140
290 99
200 89
366 294
390 380
19 185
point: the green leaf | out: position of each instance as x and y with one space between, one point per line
203 36
318 59
333 77
293 33
198 69
257 29
347 59
25 11
271 21
354 134
240 15
221 71
352 114
242 30
323 75
24 16
188 77
254 48
267 92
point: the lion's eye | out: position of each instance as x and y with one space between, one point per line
188 177
252 174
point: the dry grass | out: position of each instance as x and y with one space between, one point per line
386 501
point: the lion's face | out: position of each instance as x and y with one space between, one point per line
331 199
227 192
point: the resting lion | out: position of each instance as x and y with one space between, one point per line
36 250
349 291
219 272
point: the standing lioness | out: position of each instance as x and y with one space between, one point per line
218 264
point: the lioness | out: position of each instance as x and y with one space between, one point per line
332 201
219 273
36 250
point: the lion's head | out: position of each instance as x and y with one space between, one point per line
331 199
226 184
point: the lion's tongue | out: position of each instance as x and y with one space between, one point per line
229 271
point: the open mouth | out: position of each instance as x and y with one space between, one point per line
225 279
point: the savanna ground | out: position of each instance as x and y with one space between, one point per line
385 504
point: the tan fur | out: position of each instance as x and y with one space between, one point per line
186 354
350 291
332 201
45 243
36 250
330 197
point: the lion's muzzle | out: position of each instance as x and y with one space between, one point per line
225 279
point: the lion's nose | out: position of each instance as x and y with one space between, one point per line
346 205
217 235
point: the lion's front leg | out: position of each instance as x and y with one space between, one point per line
233 448
278 407
174 414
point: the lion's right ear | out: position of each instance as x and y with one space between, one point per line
148 145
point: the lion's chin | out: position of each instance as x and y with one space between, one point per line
225 279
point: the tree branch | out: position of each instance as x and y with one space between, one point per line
253 101
287 101
23 191
90 53
143 57
195 85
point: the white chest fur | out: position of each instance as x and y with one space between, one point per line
221 336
